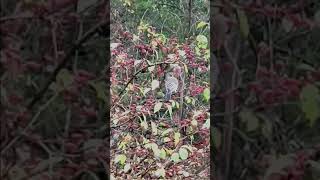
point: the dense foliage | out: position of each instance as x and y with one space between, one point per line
53 97
152 138
268 103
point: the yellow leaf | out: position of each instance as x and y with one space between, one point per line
154 128
154 84
157 107
176 138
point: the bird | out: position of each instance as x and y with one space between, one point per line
171 85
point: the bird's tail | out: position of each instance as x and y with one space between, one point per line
168 96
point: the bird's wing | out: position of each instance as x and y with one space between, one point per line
173 83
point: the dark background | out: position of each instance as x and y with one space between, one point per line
266 111
54 63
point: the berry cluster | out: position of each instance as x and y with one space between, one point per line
190 55
144 49
195 89
271 88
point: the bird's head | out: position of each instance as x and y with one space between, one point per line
169 74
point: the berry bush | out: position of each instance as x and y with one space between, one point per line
153 138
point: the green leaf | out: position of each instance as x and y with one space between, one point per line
198 53
207 55
162 38
287 25
202 41
243 21
149 63
216 137
315 167
112 177
278 165
193 101
92 143
176 138
206 94
317 17
250 119
166 139
182 53
196 114
17 172
305 67
185 68
84 4
120 158
183 153
267 129
170 111
310 103
160 94
188 100
143 123
64 78
147 145
54 87
127 2
157 107
126 168
44 164
206 125
177 105
185 174
114 45
137 62
122 145
160 172
100 88
194 122
135 38
155 149
201 24
146 90
167 131
188 147
145 141
151 68
173 103
154 128
175 157
163 153
191 137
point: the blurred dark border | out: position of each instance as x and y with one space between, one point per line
18 144
281 46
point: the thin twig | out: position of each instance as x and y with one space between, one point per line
138 72
17 16
229 106
76 46
54 39
33 120
175 7
182 76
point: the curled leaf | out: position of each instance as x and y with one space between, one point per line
157 107
183 153
154 84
